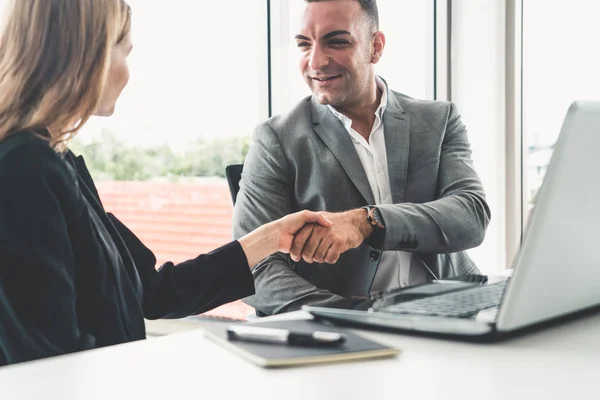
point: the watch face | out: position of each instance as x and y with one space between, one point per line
373 217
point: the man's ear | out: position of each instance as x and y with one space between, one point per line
378 46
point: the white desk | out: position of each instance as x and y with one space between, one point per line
562 362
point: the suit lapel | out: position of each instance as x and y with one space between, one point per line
396 125
333 133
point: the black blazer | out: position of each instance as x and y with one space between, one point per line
73 277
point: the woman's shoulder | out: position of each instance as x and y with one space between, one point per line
25 156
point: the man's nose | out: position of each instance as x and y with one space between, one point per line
318 58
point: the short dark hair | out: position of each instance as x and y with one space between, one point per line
369 7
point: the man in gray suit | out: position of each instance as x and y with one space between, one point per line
392 173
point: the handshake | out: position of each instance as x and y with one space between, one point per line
321 236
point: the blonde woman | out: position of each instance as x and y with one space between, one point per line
73 277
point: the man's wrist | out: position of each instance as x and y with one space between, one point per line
364 227
374 217
375 220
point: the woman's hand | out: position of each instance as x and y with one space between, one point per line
278 235
293 223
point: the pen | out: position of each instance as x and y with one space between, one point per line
284 336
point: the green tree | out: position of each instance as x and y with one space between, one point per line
112 159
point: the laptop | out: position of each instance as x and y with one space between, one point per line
556 271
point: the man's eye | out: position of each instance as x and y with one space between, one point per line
303 44
338 43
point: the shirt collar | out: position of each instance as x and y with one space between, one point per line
380 110
384 96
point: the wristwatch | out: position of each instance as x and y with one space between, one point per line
374 217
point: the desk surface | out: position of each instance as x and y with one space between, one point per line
561 362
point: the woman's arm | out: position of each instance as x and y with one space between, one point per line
213 279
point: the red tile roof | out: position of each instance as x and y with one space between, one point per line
177 221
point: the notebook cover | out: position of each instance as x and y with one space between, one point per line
277 355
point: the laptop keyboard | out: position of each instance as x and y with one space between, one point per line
464 303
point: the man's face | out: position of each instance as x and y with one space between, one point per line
337 52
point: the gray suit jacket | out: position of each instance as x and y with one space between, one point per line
305 159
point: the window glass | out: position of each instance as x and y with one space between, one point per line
560 65
198 87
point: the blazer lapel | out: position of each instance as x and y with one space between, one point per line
333 133
88 189
86 178
396 126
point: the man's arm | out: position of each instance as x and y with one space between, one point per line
458 218
266 194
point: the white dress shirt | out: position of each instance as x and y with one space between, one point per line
394 267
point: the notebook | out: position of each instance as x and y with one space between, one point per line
277 355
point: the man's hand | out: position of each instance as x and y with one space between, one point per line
326 243
292 224
278 235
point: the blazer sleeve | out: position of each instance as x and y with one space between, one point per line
265 195
458 218
37 284
193 286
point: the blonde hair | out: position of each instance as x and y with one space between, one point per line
54 60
